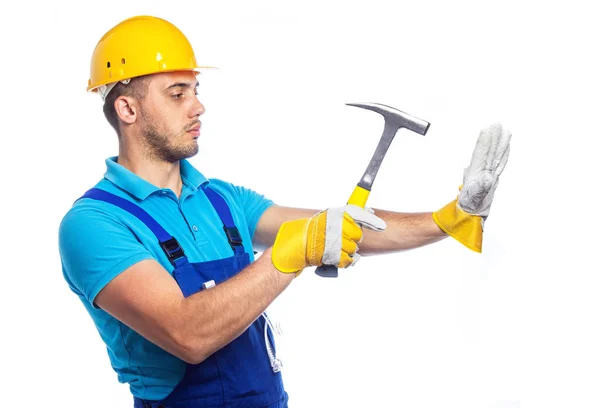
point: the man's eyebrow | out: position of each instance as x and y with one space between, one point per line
182 85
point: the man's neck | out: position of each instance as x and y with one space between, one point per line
160 173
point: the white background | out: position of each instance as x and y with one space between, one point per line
440 326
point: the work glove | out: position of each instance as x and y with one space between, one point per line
329 237
464 218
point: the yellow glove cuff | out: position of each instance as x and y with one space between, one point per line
300 243
290 246
463 227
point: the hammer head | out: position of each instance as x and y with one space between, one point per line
395 117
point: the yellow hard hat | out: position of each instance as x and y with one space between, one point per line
138 46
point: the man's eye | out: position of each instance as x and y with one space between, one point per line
177 96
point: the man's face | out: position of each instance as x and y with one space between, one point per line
170 116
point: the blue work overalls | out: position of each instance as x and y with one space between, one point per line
244 373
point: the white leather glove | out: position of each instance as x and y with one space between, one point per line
481 178
464 217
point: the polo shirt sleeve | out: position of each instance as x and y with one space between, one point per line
94 248
253 205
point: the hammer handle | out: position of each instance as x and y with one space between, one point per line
359 197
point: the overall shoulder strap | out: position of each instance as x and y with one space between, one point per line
233 234
168 243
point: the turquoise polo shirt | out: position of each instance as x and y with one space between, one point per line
98 241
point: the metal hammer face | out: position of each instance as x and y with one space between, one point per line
394 120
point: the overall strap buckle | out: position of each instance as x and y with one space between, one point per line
233 236
172 249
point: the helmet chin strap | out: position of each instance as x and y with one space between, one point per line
103 90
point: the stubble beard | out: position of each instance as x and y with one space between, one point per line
161 146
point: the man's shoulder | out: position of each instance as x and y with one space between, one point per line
242 197
221 185
83 209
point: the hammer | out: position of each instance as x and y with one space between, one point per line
394 120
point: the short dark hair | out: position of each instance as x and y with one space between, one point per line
136 88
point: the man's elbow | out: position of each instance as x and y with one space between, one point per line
189 348
192 356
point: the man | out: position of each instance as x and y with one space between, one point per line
163 258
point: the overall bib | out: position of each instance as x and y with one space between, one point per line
244 373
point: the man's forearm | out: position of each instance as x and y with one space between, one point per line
229 308
404 231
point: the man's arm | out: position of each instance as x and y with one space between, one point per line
462 218
146 298
404 230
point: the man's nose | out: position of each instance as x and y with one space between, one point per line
198 108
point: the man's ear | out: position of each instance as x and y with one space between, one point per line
126 109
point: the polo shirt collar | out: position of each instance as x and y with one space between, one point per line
138 187
191 176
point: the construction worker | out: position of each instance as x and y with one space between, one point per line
163 258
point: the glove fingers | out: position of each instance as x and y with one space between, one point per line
490 154
350 229
349 246
495 135
481 178
365 217
345 257
480 152
501 161
342 233
345 261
